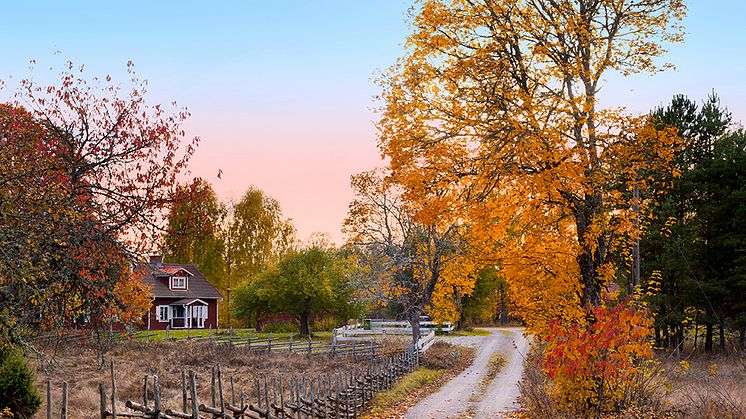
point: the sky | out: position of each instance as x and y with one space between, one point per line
282 92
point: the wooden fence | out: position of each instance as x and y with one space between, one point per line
341 395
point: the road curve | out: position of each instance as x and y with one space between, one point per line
454 399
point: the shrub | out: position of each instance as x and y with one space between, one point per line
281 327
326 324
441 356
598 367
17 391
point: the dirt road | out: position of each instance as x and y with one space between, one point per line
458 398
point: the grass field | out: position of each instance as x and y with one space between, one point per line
238 334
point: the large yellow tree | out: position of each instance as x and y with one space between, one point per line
496 103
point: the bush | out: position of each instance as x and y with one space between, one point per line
603 366
281 327
17 391
324 324
441 356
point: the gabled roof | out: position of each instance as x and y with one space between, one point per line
198 285
172 269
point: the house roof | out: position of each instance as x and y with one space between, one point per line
198 285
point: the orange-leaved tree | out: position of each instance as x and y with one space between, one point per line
493 114
495 104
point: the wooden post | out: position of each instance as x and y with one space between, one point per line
168 332
309 343
291 343
145 391
156 393
49 399
102 400
220 391
193 394
113 392
233 392
184 404
63 408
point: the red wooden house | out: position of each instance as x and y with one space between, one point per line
182 297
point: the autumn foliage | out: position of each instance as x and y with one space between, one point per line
597 365
86 170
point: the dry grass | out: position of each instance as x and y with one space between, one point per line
708 387
134 360
713 386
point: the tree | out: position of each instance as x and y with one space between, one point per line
303 282
86 173
495 103
490 301
407 262
194 233
692 242
257 235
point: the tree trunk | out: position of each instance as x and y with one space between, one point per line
257 321
460 309
666 340
721 333
708 337
503 305
303 319
742 338
658 339
588 259
696 333
414 321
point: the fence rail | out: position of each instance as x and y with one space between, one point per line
341 395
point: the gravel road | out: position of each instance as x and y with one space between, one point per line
454 400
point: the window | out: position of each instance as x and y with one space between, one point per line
179 282
163 313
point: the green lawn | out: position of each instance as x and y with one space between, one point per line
237 334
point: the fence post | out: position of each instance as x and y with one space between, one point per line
49 399
184 404
309 343
156 393
63 408
145 391
113 392
102 400
193 394
168 332
220 391
291 343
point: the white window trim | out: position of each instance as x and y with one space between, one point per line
159 313
172 283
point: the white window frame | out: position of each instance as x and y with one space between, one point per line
160 312
182 279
